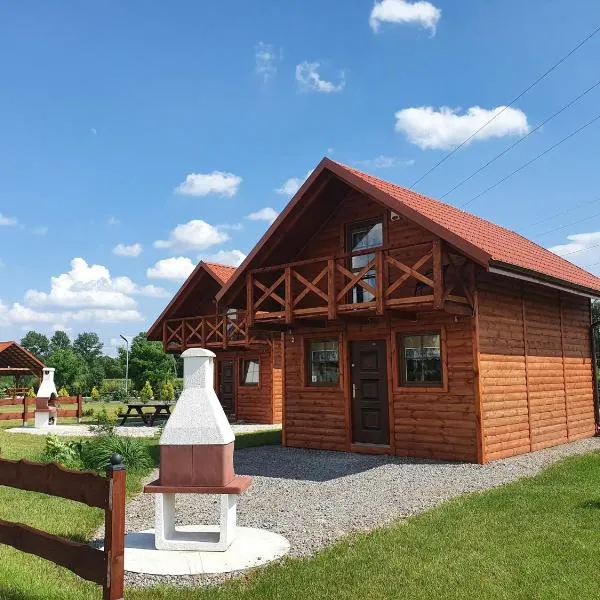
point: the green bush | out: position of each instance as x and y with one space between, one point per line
146 393
63 392
167 392
95 394
118 395
110 385
66 453
95 454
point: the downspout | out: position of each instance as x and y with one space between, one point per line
595 375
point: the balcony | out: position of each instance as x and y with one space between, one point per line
415 277
209 331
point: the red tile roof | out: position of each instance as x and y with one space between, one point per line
222 272
502 245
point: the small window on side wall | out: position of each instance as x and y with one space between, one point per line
421 360
249 371
322 358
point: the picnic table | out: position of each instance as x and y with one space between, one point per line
135 410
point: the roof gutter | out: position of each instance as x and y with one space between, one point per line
524 275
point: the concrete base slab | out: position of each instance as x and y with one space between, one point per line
251 548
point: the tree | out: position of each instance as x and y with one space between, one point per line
59 341
146 392
148 362
37 343
88 346
595 311
112 366
167 392
71 371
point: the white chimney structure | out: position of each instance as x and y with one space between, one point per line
45 407
196 457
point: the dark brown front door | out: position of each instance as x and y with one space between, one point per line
227 386
368 389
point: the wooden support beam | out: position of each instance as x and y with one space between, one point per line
250 299
289 317
438 276
331 294
379 296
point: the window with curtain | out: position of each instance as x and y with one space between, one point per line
421 359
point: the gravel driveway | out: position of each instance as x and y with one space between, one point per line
315 497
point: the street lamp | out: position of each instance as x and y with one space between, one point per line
126 363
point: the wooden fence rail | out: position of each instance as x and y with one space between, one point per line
104 567
26 408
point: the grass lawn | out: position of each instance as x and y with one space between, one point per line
533 539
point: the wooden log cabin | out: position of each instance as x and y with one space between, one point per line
248 377
403 325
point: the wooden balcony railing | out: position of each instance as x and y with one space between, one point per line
409 277
218 331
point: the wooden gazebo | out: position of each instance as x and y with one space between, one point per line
17 362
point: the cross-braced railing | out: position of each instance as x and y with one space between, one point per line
408 277
219 330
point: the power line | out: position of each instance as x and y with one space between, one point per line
530 162
561 213
577 251
514 144
496 115
567 225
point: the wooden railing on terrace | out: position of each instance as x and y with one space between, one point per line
217 331
407 277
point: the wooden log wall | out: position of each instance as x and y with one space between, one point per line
535 367
435 423
257 403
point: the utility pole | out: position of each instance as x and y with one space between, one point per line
126 363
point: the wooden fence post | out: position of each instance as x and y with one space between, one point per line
79 408
24 410
114 530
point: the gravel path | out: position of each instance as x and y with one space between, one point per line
314 497
127 430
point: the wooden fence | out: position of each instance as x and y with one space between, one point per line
104 567
69 406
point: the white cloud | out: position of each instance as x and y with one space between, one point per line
17 314
233 258
420 13
176 268
582 248
265 57
231 226
113 221
217 182
7 221
193 235
290 186
90 286
444 128
264 214
385 162
307 75
125 250
39 230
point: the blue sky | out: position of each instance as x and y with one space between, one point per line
120 121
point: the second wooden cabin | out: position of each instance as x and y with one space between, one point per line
370 318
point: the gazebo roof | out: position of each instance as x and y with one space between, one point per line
15 360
